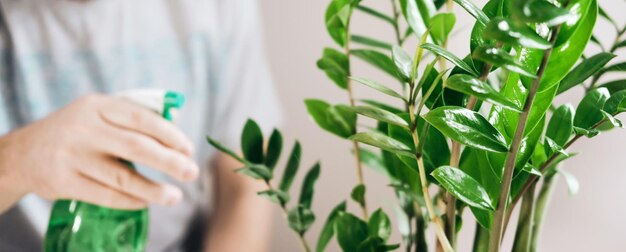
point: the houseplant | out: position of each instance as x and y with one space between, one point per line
483 129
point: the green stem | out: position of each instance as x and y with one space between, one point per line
481 239
303 242
541 207
509 166
525 223
355 144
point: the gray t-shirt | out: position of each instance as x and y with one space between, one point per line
52 51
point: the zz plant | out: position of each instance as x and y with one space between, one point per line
482 129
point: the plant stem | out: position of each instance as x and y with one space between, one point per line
396 27
439 230
303 242
481 239
525 223
509 165
541 208
355 144
420 231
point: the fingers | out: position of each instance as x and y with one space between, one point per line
128 115
117 175
88 190
146 151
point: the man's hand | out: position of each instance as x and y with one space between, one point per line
75 154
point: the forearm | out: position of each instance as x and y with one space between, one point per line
12 188
239 215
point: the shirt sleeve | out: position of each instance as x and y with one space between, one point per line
245 88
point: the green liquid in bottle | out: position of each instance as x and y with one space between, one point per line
78 226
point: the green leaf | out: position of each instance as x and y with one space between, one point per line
370 42
614 122
403 62
584 70
335 64
378 60
553 147
375 244
276 196
379 225
376 14
539 11
358 194
561 124
308 186
572 183
338 119
617 67
383 142
220 147
617 103
300 219
351 231
614 86
441 25
463 187
474 11
252 142
589 133
503 30
470 85
417 14
373 161
467 127
381 105
291 169
328 231
256 171
499 57
380 115
588 111
274 148
337 13
379 87
450 57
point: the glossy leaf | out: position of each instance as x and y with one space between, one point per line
561 124
474 11
339 120
467 127
471 85
276 196
382 106
450 57
499 57
291 169
380 115
539 11
382 141
617 67
588 111
370 42
417 14
328 231
379 225
300 219
335 64
463 187
373 161
308 186
617 103
379 87
256 171
584 70
403 62
358 194
220 147
252 142
503 30
274 148
553 147
441 25
378 60
614 86
375 244
351 231
337 13
613 122
589 133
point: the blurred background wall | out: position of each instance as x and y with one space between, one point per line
593 220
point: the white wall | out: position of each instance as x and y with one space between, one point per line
295 36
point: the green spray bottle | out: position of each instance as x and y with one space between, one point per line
77 226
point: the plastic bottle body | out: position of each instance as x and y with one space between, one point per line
78 226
